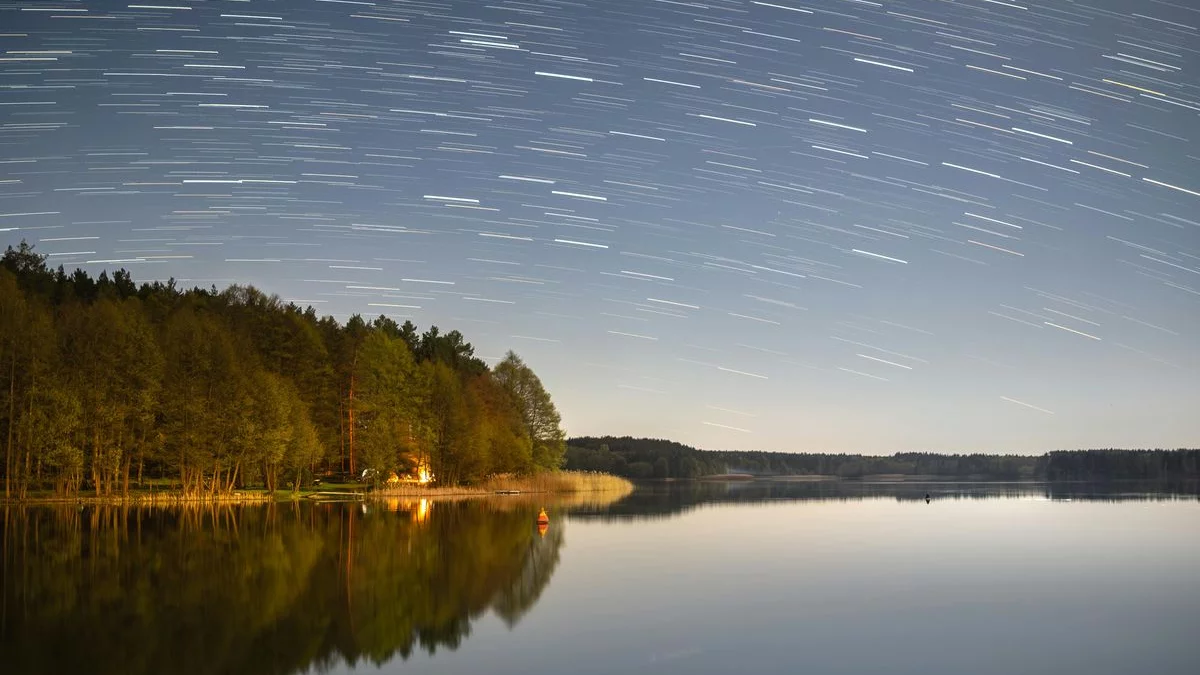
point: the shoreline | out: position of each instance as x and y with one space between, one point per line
447 494
575 484
567 485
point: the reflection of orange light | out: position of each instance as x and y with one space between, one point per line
418 509
542 527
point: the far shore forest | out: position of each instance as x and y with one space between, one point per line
648 458
107 384
111 385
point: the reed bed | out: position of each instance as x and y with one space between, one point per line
506 502
154 498
577 484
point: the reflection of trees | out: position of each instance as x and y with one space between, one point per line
657 501
516 599
275 589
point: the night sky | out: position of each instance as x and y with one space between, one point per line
797 225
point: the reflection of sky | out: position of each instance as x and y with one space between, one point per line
996 586
820 225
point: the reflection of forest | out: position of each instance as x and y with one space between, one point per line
273 589
666 500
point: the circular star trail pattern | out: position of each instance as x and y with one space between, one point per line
794 225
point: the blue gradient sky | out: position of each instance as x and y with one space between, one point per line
813 226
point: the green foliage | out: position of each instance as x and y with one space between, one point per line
105 383
388 399
542 421
303 449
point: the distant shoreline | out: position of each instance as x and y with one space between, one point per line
903 478
872 478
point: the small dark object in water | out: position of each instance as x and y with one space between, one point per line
926 497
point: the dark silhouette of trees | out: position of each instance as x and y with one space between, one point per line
1097 465
643 458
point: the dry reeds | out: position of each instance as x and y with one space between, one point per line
155 498
577 485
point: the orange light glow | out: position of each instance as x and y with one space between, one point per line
424 475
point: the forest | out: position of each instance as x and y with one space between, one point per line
646 458
104 384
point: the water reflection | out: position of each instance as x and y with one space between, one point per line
668 500
272 589
312 587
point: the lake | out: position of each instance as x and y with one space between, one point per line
762 577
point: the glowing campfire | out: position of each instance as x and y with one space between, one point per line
424 475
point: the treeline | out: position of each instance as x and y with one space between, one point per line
643 458
1124 464
104 382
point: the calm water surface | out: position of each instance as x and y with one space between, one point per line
749 578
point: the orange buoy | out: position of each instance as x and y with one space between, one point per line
542 518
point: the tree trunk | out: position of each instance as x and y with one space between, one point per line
351 423
26 473
95 456
12 422
233 476
123 471
126 460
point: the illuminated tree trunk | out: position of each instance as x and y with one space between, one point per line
350 412
95 456
126 463
12 422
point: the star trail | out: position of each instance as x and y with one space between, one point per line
836 225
